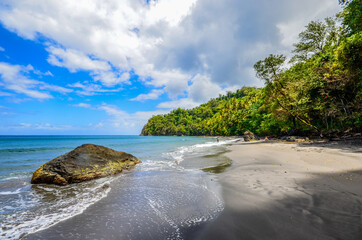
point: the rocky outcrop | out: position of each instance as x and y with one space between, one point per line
248 136
84 163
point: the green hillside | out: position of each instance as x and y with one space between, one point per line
319 93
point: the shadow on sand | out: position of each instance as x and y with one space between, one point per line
328 207
354 145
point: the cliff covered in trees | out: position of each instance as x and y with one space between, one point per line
319 93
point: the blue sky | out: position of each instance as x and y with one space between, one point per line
105 67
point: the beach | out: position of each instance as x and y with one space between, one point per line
275 190
197 188
170 195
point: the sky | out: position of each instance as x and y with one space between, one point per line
98 67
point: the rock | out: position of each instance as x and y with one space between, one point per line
248 136
84 163
291 139
288 138
347 136
296 139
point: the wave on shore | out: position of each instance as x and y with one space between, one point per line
27 209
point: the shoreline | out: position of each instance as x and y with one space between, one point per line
278 190
162 198
271 190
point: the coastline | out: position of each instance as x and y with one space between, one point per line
277 190
168 196
268 190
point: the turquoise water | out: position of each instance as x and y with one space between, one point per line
26 208
20 156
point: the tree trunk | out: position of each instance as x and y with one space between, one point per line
294 123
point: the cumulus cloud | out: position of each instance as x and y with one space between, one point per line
171 11
75 61
165 42
175 82
290 29
223 39
14 78
200 90
154 94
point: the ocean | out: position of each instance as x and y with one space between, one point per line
173 190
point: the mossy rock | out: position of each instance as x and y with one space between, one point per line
84 163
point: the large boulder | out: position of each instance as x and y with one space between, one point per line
84 163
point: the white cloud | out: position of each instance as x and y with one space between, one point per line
154 94
180 103
90 89
165 42
110 78
175 82
48 126
104 37
75 61
13 78
48 73
41 126
120 121
171 11
290 29
98 125
202 89
5 94
37 72
83 105
25 125
2 49
7 113
126 123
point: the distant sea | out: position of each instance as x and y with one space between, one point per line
172 190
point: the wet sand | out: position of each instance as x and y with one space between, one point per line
159 201
271 190
289 191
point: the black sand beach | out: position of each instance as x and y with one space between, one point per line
282 191
150 202
270 191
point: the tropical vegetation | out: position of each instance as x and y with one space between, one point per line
319 91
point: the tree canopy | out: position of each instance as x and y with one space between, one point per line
318 92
